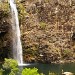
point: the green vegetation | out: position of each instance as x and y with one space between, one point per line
21 10
47 20
28 71
42 25
12 66
4 7
67 53
51 73
1 71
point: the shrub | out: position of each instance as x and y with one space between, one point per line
28 71
1 71
67 54
42 25
4 7
12 65
51 73
21 11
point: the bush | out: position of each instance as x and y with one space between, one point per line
21 11
42 25
51 73
4 7
28 71
12 65
67 54
1 71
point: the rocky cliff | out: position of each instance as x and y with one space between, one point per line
5 31
47 30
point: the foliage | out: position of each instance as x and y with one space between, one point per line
4 10
12 73
47 1
28 71
31 51
1 71
4 7
12 65
21 10
67 53
42 25
51 73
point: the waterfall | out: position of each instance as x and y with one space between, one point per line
17 47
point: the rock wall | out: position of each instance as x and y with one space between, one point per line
5 32
48 30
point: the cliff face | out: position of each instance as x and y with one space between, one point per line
48 30
5 31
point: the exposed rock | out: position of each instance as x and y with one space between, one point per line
5 35
67 73
48 30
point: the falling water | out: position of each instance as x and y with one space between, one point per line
17 47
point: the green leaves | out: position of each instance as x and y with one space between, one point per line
12 65
42 25
28 71
4 7
1 71
21 10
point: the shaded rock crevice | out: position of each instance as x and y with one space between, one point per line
5 35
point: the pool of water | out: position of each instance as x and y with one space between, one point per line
56 68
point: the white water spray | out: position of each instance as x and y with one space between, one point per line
17 47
